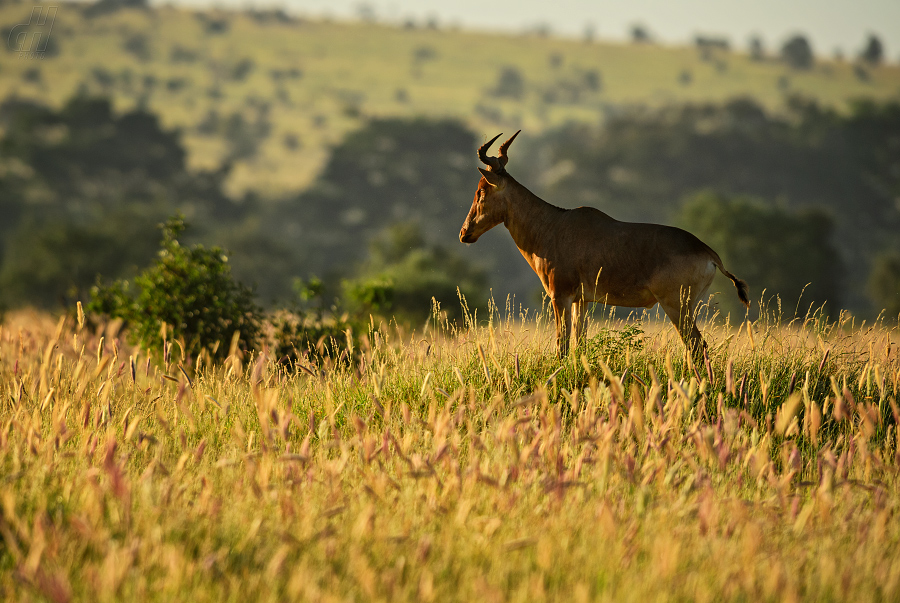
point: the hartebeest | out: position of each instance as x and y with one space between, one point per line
582 255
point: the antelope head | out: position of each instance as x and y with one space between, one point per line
489 207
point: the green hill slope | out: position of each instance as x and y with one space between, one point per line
273 94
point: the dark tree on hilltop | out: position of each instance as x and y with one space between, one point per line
873 53
640 34
797 53
510 83
106 7
757 50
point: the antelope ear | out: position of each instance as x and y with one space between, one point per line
492 178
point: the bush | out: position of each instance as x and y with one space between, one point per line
405 276
616 342
191 291
309 332
370 295
310 338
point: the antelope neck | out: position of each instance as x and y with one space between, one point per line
528 218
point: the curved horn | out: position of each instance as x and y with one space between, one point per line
491 162
503 147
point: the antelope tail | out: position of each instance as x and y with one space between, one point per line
743 290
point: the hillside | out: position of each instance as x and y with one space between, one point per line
274 93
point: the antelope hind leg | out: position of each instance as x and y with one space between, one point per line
682 316
562 310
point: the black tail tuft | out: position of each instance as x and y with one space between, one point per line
743 290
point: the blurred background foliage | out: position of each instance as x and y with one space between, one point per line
783 252
808 196
405 277
302 163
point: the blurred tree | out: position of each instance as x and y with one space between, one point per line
712 43
589 33
89 187
390 170
106 7
85 142
404 273
797 52
510 83
873 53
137 45
872 131
884 283
542 29
640 34
555 60
51 261
641 162
366 12
592 80
773 249
757 50
425 53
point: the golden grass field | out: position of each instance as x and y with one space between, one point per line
347 72
455 465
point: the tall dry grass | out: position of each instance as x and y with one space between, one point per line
459 464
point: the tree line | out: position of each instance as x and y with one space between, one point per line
802 200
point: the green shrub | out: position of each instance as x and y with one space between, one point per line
373 295
309 332
405 275
310 338
616 342
191 291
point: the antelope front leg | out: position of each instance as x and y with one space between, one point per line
562 311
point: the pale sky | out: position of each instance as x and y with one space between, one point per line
828 24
